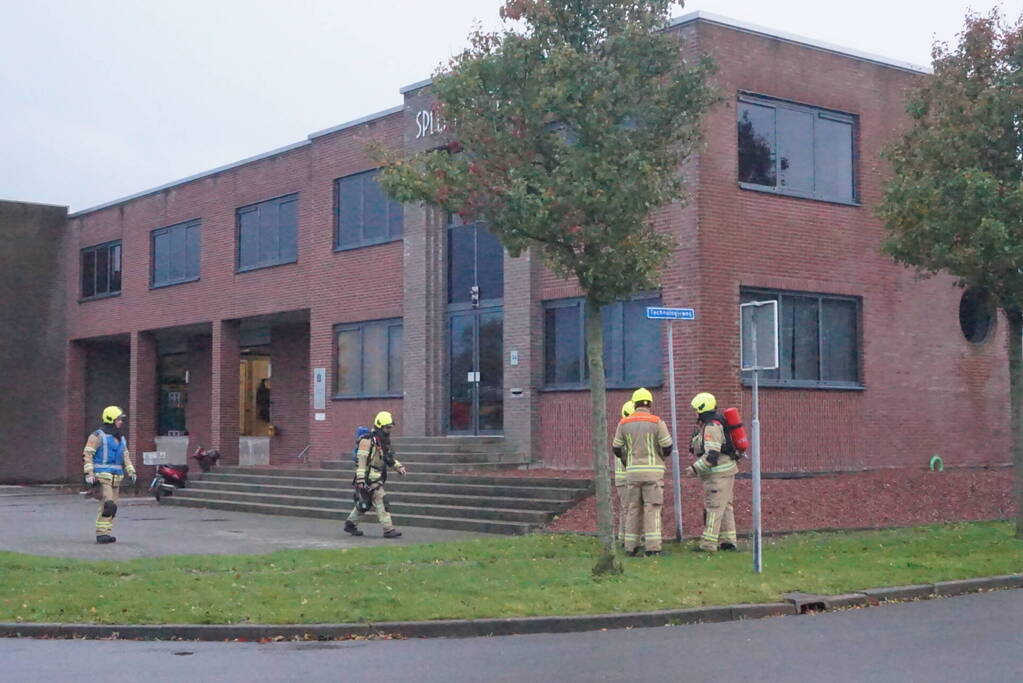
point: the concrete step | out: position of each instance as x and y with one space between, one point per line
344 492
458 478
461 524
421 455
451 442
340 477
446 488
429 466
399 508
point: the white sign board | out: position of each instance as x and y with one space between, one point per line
758 330
154 458
661 313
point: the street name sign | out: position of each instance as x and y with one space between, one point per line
658 313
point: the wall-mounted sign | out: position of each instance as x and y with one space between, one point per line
319 388
427 124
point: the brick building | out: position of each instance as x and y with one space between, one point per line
270 306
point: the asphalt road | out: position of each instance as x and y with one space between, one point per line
974 638
42 522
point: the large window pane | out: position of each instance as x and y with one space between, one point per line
248 238
268 222
349 197
115 268
394 360
287 232
102 270
756 144
461 263
177 254
642 353
818 339
795 151
489 264
365 214
834 159
161 257
374 363
88 273
192 249
562 345
374 211
841 338
349 362
805 338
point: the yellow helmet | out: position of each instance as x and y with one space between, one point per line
704 402
111 413
642 394
383 419
628 408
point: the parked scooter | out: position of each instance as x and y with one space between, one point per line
168 478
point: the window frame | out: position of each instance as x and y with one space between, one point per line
765 293
94 249
818 113
185 226
363 176
256 206
388 324
614 371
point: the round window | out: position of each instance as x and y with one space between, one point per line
976 315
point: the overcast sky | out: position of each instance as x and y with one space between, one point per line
104 98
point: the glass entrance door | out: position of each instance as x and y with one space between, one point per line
475 331
476 372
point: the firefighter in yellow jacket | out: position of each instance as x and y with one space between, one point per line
642 442
620 480
374 457
716 470
106 462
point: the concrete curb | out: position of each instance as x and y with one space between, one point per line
796 603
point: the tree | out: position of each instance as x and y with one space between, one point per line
955 201
568 128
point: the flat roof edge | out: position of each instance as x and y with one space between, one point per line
701 15
356 122
191 178
415 86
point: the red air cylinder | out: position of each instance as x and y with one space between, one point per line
733 423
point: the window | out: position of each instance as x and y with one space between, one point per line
818 340
977 315
364 214
632 344
368 359
101 270
796 150
267 233
175 254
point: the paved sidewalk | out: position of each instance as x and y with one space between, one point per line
38 521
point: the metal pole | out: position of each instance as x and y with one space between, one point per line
757 564
676 470
757 559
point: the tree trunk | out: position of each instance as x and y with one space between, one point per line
1016 403
608 561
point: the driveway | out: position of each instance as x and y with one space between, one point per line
39 521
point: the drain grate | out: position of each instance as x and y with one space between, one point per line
215 519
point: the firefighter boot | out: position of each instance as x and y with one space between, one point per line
352 529
392 533
105 538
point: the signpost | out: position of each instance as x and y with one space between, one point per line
758 331
671 315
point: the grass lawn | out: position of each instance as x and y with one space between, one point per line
502 577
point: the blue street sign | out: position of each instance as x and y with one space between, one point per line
658 313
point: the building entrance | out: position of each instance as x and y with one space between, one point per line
255 415
475 330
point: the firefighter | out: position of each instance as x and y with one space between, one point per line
716 469
642 442
620 479
107 462
374 457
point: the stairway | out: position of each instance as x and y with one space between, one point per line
437 492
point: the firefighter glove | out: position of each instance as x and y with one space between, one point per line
131 478
401 470
360 484
90 480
